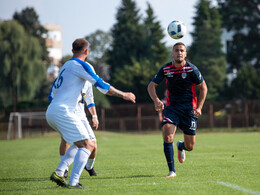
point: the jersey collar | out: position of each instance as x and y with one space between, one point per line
179 67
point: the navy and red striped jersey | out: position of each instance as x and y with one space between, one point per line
180 83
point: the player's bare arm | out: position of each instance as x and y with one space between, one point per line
129 96
158 104
93 113
203 93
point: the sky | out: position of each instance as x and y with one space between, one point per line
79 18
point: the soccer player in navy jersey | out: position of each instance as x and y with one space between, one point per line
182 109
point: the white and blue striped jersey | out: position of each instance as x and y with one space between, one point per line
70 82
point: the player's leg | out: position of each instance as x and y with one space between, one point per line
51 118
59 175
90 164
81 158
189 142
188 125
72 129
188 145
64 146
67 160
168 135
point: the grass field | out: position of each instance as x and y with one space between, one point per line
221 163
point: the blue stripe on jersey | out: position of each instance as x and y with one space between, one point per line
99 82
90 105
49 96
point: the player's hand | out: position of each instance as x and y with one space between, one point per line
159 106
129 96
197 112
95 122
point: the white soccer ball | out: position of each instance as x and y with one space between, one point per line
176 29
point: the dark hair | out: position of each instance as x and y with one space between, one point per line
178 43
79 45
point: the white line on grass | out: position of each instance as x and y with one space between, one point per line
154 183
238 187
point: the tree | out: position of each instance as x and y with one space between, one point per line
136 77
22 70
127 36
206 49
247 84
99 44
29 19
154 50
242 18
137 49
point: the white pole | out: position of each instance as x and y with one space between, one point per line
10 126
19 125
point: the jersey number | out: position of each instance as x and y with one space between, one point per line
59 81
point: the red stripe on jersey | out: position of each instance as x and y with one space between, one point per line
167 97
194 97
178 69
169 66
172 65
177 72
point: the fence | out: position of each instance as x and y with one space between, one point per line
143 117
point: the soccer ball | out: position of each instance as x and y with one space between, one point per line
176 29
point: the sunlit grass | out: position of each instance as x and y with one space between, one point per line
135 164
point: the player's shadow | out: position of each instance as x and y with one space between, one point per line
22 179
18 189
121 177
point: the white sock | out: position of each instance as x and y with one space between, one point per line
61 158
66 160
90 163
80 161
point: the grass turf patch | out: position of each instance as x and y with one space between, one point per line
221 163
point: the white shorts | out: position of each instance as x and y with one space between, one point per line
68 124
89 130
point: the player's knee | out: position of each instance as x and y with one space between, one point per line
87 143
168 132
90 145
189 147
168 138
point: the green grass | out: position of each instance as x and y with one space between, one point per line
221 163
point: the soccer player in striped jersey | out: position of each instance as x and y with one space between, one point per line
182 109
61 115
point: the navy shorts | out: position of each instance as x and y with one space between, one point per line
184 119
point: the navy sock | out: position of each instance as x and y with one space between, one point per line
182 146
168 151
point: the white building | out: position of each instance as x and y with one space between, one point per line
54 46
54 43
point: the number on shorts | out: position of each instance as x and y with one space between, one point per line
193 125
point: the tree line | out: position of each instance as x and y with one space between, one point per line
131 53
